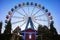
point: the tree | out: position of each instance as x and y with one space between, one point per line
8 28
43 33
0 30
0 27
7 32
39 29
15 35
53 29
53 32
40 32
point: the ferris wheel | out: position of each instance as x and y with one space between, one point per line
23 12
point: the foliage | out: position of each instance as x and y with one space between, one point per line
8 28
7 32
47 34
0 27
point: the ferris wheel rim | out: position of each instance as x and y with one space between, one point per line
35 5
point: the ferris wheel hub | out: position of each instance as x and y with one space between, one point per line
29 17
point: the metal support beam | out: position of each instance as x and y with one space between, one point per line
31 23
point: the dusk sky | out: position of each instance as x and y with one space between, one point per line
53 6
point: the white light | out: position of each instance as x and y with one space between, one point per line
29 36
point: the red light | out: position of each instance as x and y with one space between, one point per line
7 17
49 14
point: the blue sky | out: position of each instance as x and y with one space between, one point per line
52 5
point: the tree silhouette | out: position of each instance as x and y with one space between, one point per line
7 32
0 30
39 29
53 29
53 32
8 28
0 27
43 33
47 34
40 32
15 33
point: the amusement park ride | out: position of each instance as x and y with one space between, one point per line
29 13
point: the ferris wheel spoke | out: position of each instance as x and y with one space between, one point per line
20 13
17 17
36 12
39 15
17 22
28 10
24 12
36 22
34 26
41 20
22 24
32 10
